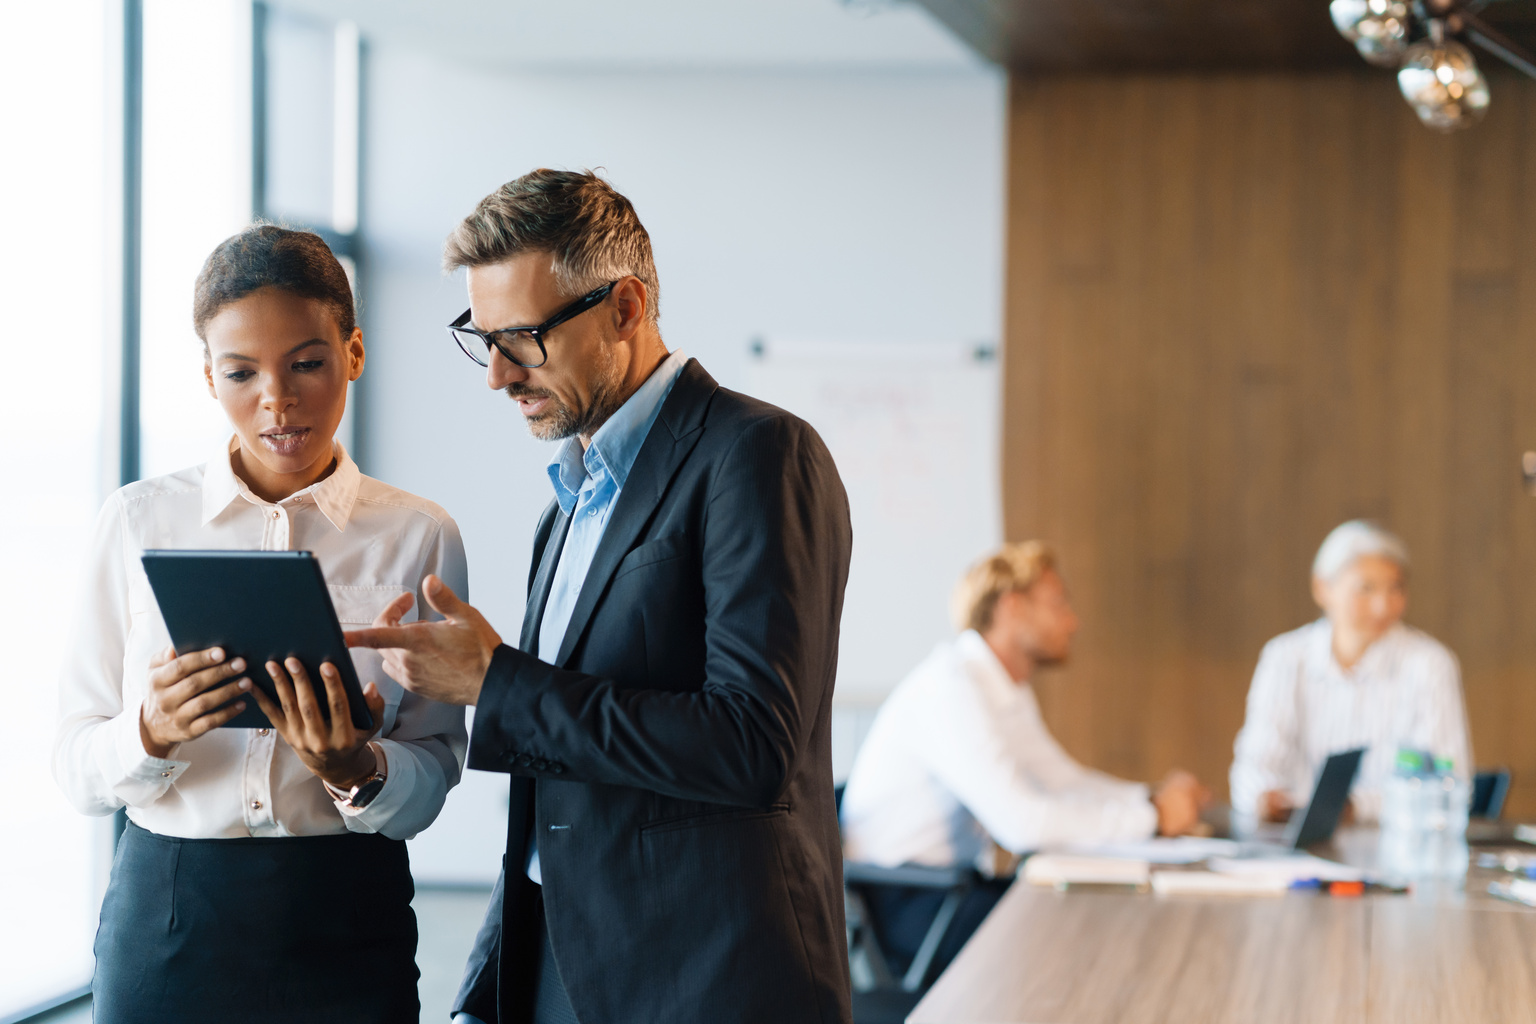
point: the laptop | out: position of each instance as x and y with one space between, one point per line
1318 822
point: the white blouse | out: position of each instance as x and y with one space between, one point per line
1405 691
373 541
959 758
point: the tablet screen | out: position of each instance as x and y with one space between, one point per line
258 605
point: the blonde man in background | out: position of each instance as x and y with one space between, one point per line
1357 677
959 768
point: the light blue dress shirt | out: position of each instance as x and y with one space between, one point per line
587 485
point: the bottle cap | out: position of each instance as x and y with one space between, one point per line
1410 762
1443 765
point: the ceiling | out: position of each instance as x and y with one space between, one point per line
513 35
1042 36
1025 36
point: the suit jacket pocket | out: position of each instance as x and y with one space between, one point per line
722 873
651 552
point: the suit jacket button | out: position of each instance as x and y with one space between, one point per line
557 769
540 765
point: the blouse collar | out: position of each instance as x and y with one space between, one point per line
334 496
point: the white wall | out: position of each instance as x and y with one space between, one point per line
832 204
857 205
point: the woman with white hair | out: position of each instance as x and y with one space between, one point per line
1357 677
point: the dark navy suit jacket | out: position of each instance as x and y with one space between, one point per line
675 760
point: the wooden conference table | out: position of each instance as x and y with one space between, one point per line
1047 957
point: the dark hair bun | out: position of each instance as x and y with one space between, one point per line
267 256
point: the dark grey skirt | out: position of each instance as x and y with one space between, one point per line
272 930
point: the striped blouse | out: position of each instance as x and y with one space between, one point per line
1302 706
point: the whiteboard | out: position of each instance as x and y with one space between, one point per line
913 428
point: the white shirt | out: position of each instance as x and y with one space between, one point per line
1404 692
958 758
374 542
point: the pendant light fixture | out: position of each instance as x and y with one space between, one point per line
1437 73
1378 28
1442 83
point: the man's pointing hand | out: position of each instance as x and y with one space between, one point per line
445 661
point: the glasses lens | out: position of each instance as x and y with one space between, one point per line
472 345
522 347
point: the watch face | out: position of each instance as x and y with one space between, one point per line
366 792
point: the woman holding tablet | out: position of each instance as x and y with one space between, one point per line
263 874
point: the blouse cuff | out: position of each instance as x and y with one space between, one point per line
400 781
134 764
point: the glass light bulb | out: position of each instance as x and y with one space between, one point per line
1443 85
1378 28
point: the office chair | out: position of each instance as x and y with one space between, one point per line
1489 789
879 997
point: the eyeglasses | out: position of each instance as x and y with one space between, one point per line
521 345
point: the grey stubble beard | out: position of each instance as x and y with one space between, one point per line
563 421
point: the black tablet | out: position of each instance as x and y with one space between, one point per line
258 605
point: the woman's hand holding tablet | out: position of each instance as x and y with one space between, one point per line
336 750
185 699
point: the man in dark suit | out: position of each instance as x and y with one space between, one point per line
672 846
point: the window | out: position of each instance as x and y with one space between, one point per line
308 84
59 460
65 365
197 192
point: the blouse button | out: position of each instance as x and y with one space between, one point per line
165 775
263 732
255 805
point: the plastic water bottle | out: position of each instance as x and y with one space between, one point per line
1448 822
1423 821
1401 856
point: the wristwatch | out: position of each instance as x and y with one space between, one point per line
363 794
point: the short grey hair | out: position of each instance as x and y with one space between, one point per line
1349 542
590 231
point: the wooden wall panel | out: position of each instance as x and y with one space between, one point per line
1241 310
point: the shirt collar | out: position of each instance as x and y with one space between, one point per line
334 496
998 686
1369 663
567 473
616 444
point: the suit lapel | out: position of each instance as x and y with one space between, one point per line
672 437
553 529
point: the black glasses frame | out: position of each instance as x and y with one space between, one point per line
460 327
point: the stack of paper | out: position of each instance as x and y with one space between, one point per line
1179 850
1518 890
1294 868
1060 869
1208 883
